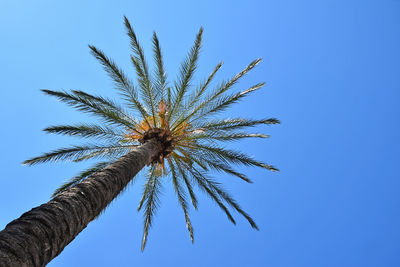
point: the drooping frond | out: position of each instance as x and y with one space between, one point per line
80 177
201 180
221 167
181 198
151 201
147 186
221 192
191 157
213 189
188 184
207 163
231 156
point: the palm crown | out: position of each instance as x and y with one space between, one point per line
182 119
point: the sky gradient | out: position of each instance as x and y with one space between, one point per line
333 78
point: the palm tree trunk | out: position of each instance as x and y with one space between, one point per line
42 233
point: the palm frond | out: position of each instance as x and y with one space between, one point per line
221 192
123 84
146 88
187 70
225 86
108 151
86 131
197 95
136 48
191 156
181 198
223 102
161 76
231 156
149 179
80 177
222 136
202 88
75 153
60 154
169 98
235 79
188 184
203 160
233 124
101 107
140 64
201 180
151 200
117 74
216 165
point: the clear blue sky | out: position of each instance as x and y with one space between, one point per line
332 69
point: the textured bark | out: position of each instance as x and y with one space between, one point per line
42 233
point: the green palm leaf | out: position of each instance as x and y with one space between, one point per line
218 136
221 192
161 76
78 153
203 184
187 183
231 156
140 64
234 124
101 107
151 200
182 199
86 131
187 70
125 86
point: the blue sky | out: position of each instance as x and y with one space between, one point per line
333 78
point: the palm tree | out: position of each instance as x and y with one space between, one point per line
172 130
